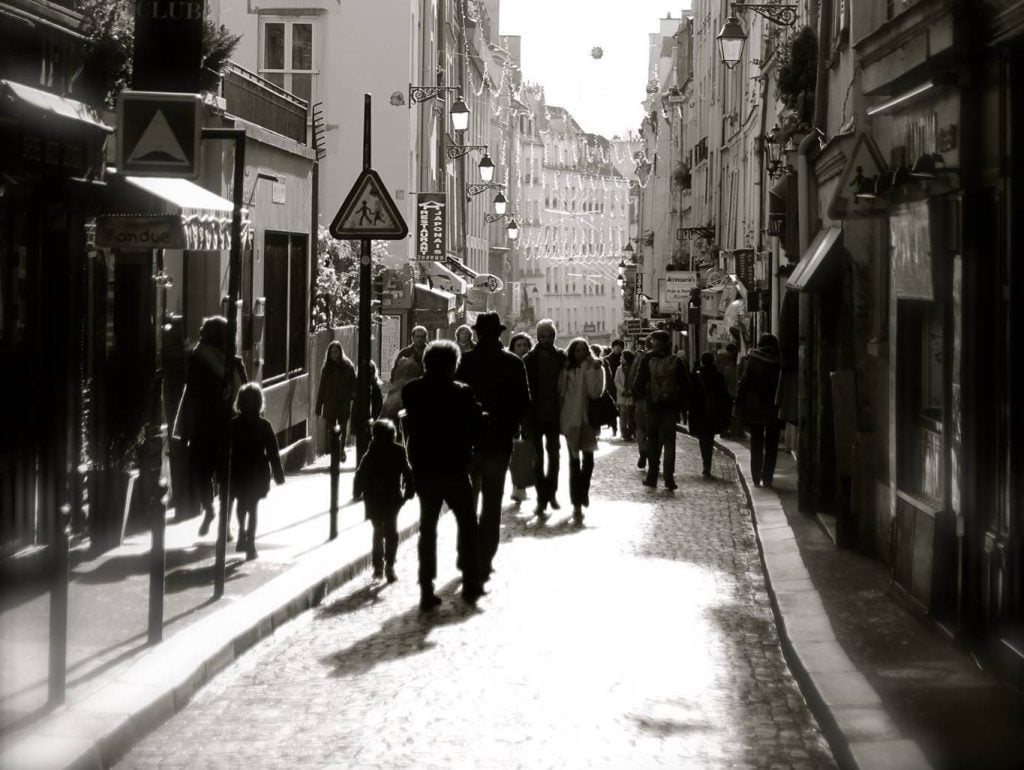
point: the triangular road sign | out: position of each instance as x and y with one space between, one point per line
865 160
158 143
369 212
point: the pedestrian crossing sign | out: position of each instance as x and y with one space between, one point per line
369 212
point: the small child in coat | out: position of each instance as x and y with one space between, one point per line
254 457
384 482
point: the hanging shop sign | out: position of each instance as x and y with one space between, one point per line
159 134
168 50
911 248
674 289
431 226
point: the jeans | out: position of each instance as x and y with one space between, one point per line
764 448
488 470
580 474
661 434
385 542
547 484
457 491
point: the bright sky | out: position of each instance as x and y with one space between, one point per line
604 95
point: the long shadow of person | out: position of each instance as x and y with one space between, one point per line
401 636
364 596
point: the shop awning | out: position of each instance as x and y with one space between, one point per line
166 213
17 97
442 277
815 268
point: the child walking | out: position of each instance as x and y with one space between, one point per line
254 457
384 481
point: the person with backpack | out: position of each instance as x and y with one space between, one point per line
710 406
663 382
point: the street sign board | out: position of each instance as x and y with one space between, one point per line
159 134
431 227
368 212
168 50
674 288
634 325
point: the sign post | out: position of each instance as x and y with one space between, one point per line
367 212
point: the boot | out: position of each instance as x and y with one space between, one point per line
651 479
642 462
389 573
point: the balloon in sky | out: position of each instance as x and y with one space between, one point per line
597 52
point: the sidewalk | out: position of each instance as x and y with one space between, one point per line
888 688
118 686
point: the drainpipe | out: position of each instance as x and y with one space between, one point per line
807 214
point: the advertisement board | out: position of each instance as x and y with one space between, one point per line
431 226
674 289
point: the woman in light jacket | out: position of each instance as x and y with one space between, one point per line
581 380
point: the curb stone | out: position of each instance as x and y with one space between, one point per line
97 730
852 717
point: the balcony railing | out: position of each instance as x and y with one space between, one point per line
259 101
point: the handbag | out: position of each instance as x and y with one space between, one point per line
521 464
602 411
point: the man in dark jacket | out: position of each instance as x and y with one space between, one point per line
413 351
498 379
663 382
755 400
614 358
710 406
444 422
544 364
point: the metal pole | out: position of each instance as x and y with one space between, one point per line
237 135
154 486
362 405
59 609
334 439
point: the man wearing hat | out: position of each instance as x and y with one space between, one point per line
498 379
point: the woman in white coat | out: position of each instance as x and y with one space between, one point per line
581 380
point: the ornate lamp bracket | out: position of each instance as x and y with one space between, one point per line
784 15
706 232
476 189
418 94
458 150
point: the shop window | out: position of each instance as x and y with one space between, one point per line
287 56
285 285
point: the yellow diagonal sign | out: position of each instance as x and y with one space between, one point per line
369 212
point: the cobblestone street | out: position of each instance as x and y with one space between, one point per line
643 639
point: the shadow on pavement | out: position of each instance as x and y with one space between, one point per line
519 523
118 567
195 577
364 596
401 636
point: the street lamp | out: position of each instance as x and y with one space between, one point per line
500 205
731 41
628 253
512 229
486 168
732 37
459 113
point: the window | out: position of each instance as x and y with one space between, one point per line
285 285
287 56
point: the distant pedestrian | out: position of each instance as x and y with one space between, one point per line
464 339
640 421
624 396
608 411
384 482
709 408
728 365
755 398
498 380
664 383
254 458
334 396
444 422
376 394
521 463
581 380
614 358
544 365
413 351
204 414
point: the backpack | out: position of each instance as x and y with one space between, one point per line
662 389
